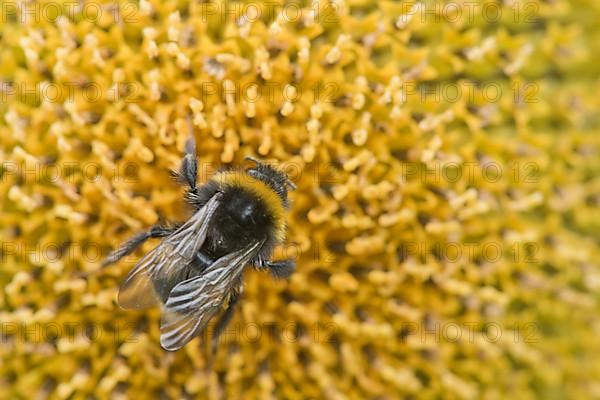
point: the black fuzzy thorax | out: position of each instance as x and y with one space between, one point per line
240 218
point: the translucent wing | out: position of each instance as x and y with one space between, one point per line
193 302
151 280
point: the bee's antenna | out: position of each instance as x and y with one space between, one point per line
188 118
291 184
253 159
190 144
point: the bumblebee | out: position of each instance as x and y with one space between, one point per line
195 273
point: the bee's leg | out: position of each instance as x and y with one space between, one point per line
188 170
129 247
279 269
224 319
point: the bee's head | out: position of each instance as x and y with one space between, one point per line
276 179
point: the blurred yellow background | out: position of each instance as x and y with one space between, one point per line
446 223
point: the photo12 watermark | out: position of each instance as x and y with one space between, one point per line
29 12
526 172
469 332
454 12
489 252
69 172
250 12
322 173
69 92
